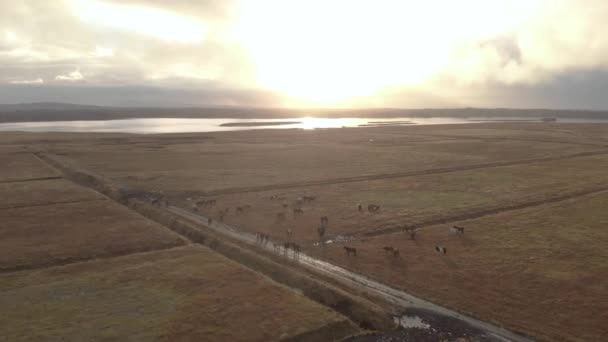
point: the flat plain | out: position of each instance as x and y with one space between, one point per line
530 196
23 167
219 162
75 265
183 294
544 270
37 236
42 192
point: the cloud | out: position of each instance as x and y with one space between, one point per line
102 52
150 21
34 81
557 37
71 77
381 52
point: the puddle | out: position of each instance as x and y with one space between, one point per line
338 239
411 322
345 238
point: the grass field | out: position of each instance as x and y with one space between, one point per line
43 192
541 270
23 166
37 236
410 200
226 162
183 294
574 133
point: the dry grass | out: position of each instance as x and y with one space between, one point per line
185 294
540 270
60 233
574 133
211 164
543 271
409 200
43 192
21 166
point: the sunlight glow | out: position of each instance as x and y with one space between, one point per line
327 52
139 19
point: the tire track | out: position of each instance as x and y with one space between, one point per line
482 213
229 191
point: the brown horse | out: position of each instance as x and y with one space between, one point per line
324 221
350 250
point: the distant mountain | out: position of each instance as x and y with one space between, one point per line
53 111
50 106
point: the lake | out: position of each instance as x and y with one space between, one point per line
175 125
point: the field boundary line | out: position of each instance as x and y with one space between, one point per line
81 179
483 213
83 260
53 203
230 191
472 137
38 179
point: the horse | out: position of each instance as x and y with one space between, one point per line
457 230
441 249
294 246
359 207
372 208
298 211
321 232
324 221
296 249
223 213
280 216
388 249
350 250
206 203
411 231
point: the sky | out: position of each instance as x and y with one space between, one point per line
306 53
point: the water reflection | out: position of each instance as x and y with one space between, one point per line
173 125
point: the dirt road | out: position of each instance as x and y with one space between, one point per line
392 295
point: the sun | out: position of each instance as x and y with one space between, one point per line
329 52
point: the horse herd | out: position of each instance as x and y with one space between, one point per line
264 238
411 232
